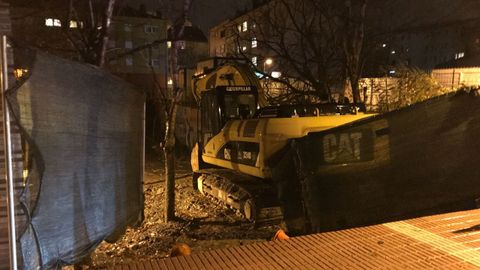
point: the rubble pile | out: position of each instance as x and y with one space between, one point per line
202 223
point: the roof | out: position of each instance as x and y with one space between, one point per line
190 33
141 12
447 241
257 5
464 62
241 13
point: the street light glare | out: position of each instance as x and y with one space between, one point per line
268 61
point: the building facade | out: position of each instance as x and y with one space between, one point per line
146 68
42 25
421 33
238 37
398 33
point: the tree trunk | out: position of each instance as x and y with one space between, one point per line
355 91
169 151
169 148
353 43
104 33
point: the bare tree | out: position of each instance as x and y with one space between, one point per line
316 43
301 41
92 20
77 28
177 31
353 39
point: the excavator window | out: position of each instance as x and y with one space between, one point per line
210 118
239 106
244 111
222 104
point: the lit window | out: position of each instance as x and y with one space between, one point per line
73 24
392 72
239 28
276 74
170 81
254 42
244 48
19 73
393 52
127 27
254 60
129 61
384 45
50 22
459 55
244 26
128 44
169 44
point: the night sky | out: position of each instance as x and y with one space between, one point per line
205 13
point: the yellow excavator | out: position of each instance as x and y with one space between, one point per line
326 167
239 136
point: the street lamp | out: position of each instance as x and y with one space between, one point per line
267 62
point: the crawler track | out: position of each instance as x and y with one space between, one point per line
255 198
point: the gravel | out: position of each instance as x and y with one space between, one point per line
201 222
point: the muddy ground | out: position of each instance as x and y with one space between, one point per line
202 223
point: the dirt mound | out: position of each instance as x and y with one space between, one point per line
202 223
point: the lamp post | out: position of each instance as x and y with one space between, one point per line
267 62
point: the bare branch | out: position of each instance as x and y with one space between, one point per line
107 18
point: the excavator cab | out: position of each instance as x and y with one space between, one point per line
222 104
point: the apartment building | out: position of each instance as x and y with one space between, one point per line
238 37
421 33
398 32
40 25
147 67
